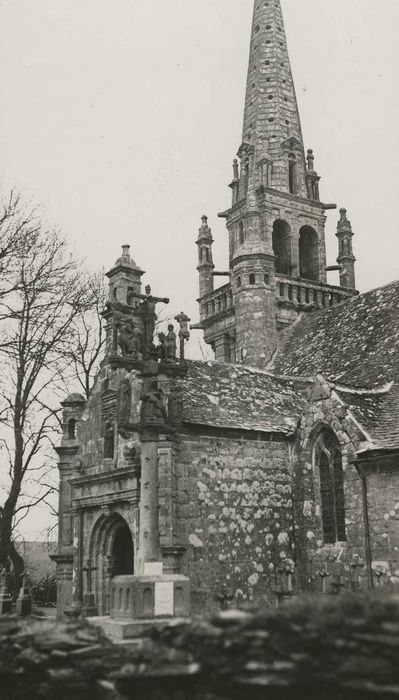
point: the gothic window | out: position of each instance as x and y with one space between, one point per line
328 458
71 429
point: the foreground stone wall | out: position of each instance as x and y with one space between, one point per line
327 647
234 509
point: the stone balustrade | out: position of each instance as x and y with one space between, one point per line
216 302
308 294
289 292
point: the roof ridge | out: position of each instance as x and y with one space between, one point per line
383 389
254 370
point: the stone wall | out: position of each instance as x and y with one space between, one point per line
382 478
234 509
322 566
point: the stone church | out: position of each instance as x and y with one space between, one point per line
273 470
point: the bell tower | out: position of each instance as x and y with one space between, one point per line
276 221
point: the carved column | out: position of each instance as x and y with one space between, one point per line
149 546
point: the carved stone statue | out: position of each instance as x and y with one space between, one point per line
161 350
171 343
153 411
147 311
124 401
175 406
129 338
184 332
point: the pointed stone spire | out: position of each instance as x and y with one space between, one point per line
345 258
205 265
271 120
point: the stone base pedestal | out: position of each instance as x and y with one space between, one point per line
120 631
135 598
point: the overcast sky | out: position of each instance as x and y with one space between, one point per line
122 117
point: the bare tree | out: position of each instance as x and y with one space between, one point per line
42 294
18 233
86 341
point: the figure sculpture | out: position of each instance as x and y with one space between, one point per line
161 350
129 338
124 401
153 411
171 343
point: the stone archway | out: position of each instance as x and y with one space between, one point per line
112 554
281 240
122 551
309 264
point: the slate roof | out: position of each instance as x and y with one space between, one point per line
365 408
233 396
385 432
356 342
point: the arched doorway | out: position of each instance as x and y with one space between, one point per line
309 253
122 551
282 246
111 553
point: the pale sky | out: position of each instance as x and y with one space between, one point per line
122 117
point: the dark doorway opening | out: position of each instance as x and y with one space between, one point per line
282 246
309 253
122 552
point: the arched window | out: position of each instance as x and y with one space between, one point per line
238 281
252 278
309 253
282 246
71 429
328 460
241 234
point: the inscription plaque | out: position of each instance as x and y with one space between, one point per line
164 598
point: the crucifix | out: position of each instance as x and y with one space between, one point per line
147 312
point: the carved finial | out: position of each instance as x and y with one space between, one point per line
235 169
204 220
310 159
126 250
343 223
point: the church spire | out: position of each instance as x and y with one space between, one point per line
272 129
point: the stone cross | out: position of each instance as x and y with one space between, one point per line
184 332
